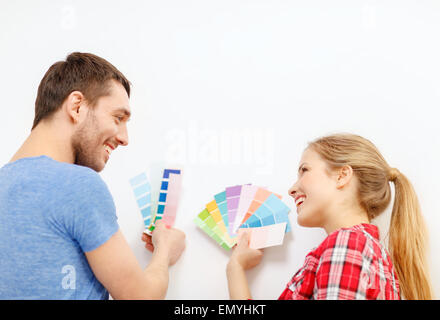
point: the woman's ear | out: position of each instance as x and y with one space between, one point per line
75 106
344 176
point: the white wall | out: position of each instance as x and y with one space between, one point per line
273 74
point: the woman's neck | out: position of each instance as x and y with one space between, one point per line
345 218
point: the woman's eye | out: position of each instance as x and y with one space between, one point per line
304 169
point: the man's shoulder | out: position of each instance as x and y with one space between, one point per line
78 172
45 171
62 173
80 179
78 187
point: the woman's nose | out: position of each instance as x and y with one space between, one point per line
292 191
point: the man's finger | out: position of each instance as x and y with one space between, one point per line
150 247
158 223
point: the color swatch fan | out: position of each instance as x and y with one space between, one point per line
261 212
169 195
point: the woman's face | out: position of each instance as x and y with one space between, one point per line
314 190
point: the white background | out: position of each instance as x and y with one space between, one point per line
232 91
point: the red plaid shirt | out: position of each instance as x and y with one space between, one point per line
349 264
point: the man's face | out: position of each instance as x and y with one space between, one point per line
104 129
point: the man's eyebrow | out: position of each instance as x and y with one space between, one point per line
124 111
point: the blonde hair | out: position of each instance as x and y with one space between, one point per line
408 235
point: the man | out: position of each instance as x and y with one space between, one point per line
59 236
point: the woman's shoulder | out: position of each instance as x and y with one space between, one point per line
362 237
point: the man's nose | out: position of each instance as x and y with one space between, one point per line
122 136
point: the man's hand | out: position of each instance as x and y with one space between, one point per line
116 267
166 239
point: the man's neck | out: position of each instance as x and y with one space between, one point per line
46 140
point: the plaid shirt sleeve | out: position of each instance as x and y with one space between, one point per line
347 265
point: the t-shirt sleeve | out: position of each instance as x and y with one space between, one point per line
93 219
343 270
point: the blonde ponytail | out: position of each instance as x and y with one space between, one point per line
407 236
408 240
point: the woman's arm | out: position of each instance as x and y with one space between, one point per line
242 259
237 282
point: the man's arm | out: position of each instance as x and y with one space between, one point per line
116 267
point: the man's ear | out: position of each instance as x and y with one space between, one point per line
344 176
75 106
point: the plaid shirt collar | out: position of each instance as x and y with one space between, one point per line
371 229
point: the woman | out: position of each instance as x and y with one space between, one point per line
344 183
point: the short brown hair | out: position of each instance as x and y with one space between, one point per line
84 72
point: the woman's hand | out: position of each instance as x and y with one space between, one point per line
244 256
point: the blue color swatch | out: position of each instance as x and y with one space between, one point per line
271 211
142 192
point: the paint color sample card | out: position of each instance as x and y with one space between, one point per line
261 211
220 198
169 196
142 192
271 211
267 236
170 190
247 195
260 196
172 199
205 222
232 200
217 217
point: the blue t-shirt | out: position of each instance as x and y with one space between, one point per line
50 214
